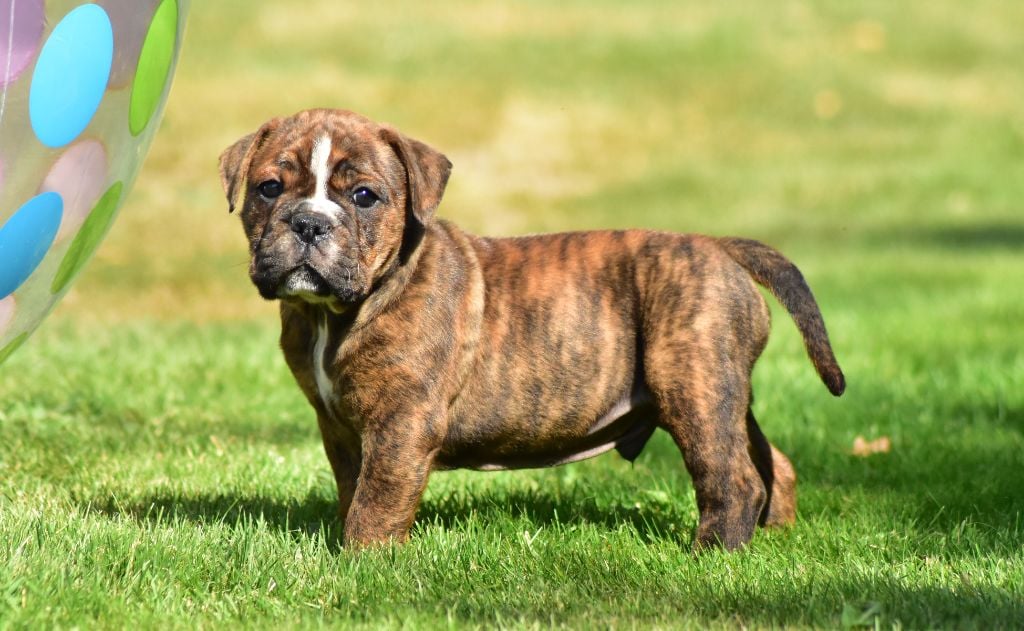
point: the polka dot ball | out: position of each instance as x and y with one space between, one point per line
82 88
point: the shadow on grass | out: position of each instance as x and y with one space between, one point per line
853 602
317 515
986 236
314 515
651 522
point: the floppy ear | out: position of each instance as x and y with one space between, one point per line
427 171
236 159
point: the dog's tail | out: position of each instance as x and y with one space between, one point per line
769 268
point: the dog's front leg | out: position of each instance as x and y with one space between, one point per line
343 452
391 481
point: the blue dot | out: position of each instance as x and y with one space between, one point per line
71 75
25 239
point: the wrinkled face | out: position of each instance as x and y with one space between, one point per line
329 201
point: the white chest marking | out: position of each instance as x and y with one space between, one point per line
323 383
320 167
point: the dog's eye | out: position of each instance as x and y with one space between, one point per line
364 197
270 189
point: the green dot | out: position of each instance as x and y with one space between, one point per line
154 66
88 237
8 350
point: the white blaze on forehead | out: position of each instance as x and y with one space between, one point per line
320 167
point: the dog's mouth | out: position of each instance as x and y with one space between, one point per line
306 283
307 277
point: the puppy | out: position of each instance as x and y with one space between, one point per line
423 347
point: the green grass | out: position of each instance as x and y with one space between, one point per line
158 467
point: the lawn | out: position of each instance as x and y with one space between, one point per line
158 466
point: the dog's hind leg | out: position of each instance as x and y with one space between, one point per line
778 474
704 409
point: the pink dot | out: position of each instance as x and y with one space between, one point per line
21 28
130 20
6 313
78 175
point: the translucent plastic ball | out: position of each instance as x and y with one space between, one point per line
82 89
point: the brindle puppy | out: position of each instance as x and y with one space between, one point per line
422 347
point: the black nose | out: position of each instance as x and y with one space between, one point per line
310 227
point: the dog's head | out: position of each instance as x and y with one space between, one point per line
331 202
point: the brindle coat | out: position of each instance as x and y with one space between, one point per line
423 347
